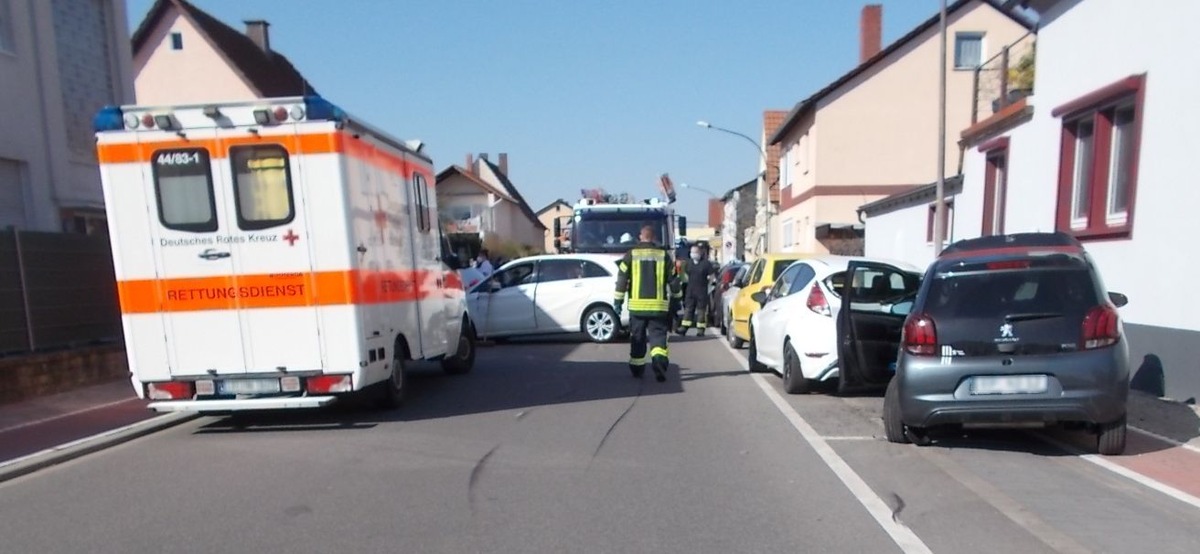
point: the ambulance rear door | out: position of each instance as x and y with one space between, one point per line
270 247
193 287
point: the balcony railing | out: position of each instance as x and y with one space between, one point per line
1004 78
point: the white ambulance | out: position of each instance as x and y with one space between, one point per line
275 254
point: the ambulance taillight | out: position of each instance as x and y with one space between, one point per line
326 384
174 390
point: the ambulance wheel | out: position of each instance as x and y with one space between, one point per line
464 356
391 391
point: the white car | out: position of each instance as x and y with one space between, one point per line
795 333
730 294
559 293
470 277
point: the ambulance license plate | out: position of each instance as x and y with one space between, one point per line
248 386
1010 384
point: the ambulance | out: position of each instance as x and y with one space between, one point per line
276 253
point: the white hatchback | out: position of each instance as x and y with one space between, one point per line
559 293
795 333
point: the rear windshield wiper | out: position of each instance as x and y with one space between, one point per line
1011 318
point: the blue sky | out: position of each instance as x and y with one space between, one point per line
580 94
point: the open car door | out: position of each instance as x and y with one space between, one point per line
868 330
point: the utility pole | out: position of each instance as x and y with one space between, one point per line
939 215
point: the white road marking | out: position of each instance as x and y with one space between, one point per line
905 538
1167 440
61 416
849 438
1125 472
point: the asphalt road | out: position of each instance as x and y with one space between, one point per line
553 447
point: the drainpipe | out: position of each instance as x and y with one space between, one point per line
41 84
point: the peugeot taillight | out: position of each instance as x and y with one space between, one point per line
174 390
1100 327
817 302
920 335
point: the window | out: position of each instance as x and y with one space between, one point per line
881 286
1098 165
184 190
421 200
12 193
995 186
262 186
804 274
756 272
591 270
559 270
785 176
968 50
947 217
521 274
176 41
783 283
788 233
7 43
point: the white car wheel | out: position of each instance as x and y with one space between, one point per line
600 324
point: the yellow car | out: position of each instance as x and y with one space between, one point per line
761 276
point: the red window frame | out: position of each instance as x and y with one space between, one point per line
948 217
1098 108
996 156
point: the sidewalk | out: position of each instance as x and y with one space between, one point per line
40 423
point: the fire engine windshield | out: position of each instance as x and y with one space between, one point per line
614 231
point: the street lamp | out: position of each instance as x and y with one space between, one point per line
763 201
704 190
939 217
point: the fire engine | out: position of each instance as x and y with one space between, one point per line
275 253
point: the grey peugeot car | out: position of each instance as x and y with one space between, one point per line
1011 329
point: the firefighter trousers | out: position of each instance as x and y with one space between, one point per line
695 311
648 333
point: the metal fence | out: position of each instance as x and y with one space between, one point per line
57 291
1005 78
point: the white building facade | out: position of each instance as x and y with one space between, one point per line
1102 150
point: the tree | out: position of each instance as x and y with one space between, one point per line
1020 76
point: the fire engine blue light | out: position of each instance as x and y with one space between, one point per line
320 108
109 118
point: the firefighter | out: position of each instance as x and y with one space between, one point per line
698 273
647 279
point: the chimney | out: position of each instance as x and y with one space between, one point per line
256 29
470 164
870 31
504 163
483 156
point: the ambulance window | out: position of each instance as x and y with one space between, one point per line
421 196
184 189
262 185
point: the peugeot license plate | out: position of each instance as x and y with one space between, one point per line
248 386
1010 384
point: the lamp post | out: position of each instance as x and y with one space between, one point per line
763 201
704 190
939 216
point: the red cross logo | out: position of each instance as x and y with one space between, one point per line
291 238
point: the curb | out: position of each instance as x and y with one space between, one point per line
81 447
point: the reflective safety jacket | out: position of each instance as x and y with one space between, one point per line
646 280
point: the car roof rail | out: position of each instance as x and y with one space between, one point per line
1057 240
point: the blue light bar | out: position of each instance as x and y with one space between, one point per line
320 108
109 118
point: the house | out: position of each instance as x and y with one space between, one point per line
60 62
738 209
556 210
873 132
1102 149
182 55
480 207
